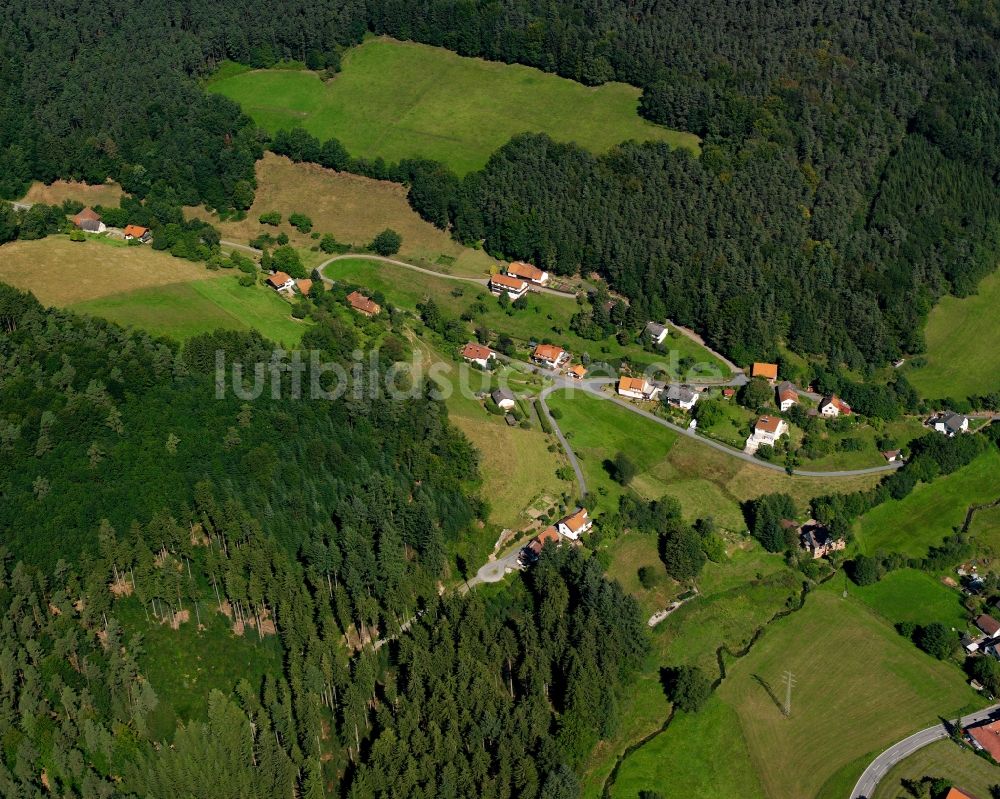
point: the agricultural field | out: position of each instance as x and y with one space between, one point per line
962 357
546 317
398 100
183 310
705 481
108 194
352 208
908 595
860 687
931 511
63 272
945 760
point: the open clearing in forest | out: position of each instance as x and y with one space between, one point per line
62 272
353 208
962 357
398 100
108 194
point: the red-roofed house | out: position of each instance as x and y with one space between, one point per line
988 624
769 371
635 387
577 372
478 354
550 355
532 274
958 793
137 232
767 431
363 305
832 405
576 524
787 396
304 285
89 220
987 737
280 281
513 286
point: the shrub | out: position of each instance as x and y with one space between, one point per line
77 235
270 218
388 243
300 222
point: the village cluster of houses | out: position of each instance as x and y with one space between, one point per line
284 283
571 527
89 221
518 278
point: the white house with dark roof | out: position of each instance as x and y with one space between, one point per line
950 423
682 397
504 398
656 332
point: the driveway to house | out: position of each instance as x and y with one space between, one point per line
865 787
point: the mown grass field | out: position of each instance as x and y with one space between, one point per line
860 687
63 272
400 100
914 596
183 310
932 510
962 357
705 481
546 317
946 760
55 193
353 208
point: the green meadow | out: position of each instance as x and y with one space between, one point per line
183 310
908 595
398 100
962 356
932 510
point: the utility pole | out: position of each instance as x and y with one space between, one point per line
789 680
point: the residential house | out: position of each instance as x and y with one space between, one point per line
769 371
682 397
363 305
950 423
988 625
656 332
514 287
971 643
728 393
636 388
523 271
280 281
478 354
986 736
766 432
818 540
892 455
577 372
576 524
529 554
787 396
550 355
89 220
958 793
504 398
137 232
832 406
304 286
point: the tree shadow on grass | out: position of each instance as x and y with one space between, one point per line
770 692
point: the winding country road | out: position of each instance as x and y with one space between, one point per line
879 767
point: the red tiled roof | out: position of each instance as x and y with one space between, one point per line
632 384
362 303
548 534
278 279
304 285
86 213
476 352
526 271
768 424
988 624
548 352
988 737
508 282
136 231
958 793
768 370
579 371
787 394
577 520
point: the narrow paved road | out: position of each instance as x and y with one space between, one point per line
865 787
593 387
581 481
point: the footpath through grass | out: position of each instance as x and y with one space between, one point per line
962 355
398 100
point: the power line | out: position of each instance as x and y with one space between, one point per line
789 680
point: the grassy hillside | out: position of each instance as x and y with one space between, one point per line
182 310
860 687
353 208
404 100
962 356
931 512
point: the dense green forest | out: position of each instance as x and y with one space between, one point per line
134 498
848 176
